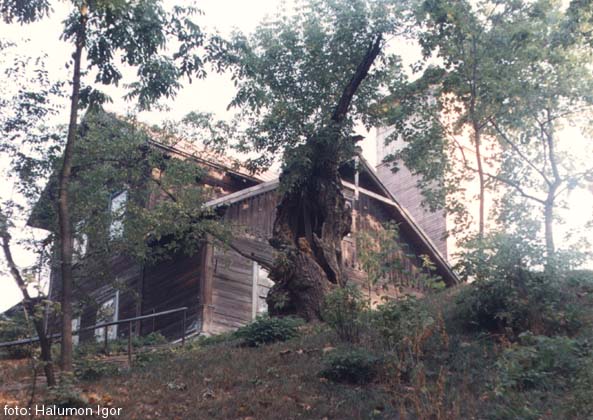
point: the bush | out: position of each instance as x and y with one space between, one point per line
343 311
12 329
350 366
542 376
66 395
516 305
91 370
397 320
540 362
265 330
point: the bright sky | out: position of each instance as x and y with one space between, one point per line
212 94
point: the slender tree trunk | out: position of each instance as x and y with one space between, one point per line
477 136
481 180
550 202
29 306
65 223
312 218
549 230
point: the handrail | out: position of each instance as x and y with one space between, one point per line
102 325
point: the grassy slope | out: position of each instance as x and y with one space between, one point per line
454 377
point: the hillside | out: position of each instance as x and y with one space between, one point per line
410 360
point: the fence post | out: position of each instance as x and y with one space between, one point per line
183 327
153 319
105 349
130 344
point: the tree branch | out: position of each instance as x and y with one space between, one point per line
516 186
361 72
518 151
228 243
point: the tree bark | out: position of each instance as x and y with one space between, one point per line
549 230
65 223
29 307
312 217
550 202
476 126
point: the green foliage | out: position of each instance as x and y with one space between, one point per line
542 362
213 339
351 366
291 72
266 330
65 395
397 320
537 366
524 302
150 358
343 311
381 253
12 329
92 370
121 344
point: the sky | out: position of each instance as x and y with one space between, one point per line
212 94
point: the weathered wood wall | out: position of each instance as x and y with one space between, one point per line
171 284
252 220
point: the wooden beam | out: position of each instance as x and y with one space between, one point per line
206 284
439 259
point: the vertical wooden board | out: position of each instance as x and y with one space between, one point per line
172 284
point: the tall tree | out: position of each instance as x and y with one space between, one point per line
510 75
303 82
553 91
442 117
137 33
29 151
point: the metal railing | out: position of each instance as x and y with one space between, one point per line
106 325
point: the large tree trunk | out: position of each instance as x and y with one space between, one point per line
312 217
29 306
308 230
66 238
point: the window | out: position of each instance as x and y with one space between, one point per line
75 327
108 311
261 286
117 208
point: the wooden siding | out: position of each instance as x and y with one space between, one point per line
231 291
252 221
403 186
171 284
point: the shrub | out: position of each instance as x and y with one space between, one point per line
397 320
350 366
266 330
516 305
540 362
91 370
65 395
542 376
343 311
12 329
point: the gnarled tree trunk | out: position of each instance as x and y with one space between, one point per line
312 217
310 224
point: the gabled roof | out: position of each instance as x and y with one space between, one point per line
400 214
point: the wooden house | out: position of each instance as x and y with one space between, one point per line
222 289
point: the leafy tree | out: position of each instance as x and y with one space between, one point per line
453 101
303 81
510 75
138 34
30 149
553 91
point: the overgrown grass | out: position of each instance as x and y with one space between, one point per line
407 360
